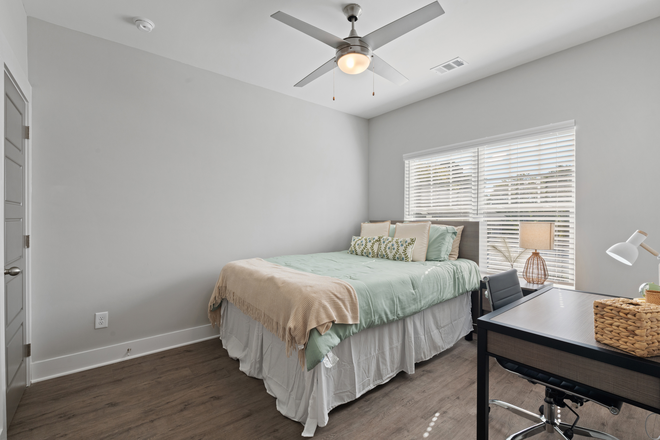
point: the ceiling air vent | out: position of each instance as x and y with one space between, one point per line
449 65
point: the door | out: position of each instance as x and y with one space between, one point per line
15 301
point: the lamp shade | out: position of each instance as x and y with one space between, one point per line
627 252
624 252
537 235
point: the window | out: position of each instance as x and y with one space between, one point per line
501 181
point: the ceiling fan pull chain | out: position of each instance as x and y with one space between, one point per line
373 79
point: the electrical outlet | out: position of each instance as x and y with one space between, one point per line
101 320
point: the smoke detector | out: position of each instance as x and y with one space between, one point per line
144 24
449 65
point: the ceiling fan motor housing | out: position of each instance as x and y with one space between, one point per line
355 57
355 45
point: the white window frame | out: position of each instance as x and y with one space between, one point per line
513 146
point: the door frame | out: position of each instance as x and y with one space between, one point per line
19 77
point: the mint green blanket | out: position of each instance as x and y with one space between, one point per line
386 290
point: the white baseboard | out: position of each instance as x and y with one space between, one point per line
98 357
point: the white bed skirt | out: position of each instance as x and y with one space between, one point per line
363 361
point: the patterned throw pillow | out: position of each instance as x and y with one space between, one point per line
365 246
398 249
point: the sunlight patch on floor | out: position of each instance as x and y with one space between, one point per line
431 425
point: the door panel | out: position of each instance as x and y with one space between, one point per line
14 353
14 124
13 240
16 370
14 294
14 165
14 172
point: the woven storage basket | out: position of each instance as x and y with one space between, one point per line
628 325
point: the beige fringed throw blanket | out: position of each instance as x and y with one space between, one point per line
287 302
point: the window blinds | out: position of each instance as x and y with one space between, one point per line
502 182
443 186
531 179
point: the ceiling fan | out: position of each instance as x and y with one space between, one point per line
354 53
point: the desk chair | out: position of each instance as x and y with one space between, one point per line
503 289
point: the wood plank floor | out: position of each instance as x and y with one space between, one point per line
197 392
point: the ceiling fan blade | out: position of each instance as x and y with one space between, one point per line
312 31
388 72
325 68
403 25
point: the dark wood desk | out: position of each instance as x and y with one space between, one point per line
552 330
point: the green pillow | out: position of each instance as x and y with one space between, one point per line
441 239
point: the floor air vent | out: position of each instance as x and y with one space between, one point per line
449 65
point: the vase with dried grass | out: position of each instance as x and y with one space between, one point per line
509 254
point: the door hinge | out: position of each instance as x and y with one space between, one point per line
27 132
27 241
28 350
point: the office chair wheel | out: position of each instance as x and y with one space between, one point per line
568 433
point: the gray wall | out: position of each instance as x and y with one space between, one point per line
13 24
610 86
150 175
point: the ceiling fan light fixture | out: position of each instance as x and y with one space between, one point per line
354 63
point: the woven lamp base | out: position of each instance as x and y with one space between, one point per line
535 272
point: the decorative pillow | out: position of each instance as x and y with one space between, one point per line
440 242
397 249
420 231
453 255
392 230
365 246
375 229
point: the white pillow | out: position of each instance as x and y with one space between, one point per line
420 231
375 229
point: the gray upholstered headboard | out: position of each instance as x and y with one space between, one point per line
469 247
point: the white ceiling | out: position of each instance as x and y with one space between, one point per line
237 38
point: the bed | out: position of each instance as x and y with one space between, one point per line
343 364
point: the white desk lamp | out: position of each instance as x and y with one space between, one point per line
627 252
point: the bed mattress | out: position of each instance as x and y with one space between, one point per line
387 290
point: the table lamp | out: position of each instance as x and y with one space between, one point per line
627 252
536 235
